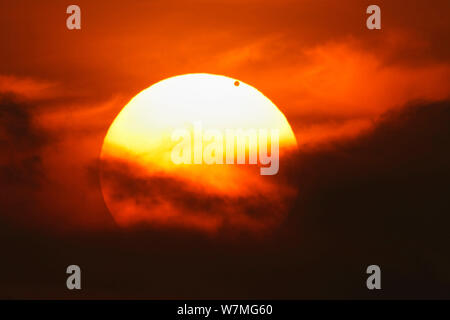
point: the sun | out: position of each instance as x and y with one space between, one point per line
198 151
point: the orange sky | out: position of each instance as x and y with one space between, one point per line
370 111
314 59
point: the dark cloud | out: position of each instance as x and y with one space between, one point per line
188 203
20 143
383 199
48 178
379 199
21 168
18 132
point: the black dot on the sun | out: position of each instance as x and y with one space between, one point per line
236 83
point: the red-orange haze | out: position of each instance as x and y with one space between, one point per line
326 72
